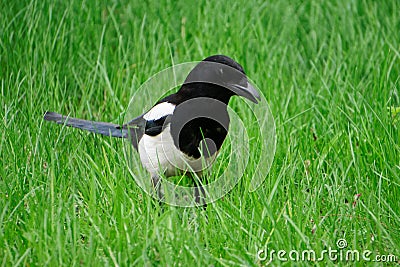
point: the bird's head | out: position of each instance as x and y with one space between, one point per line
219 77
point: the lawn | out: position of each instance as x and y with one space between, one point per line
330 71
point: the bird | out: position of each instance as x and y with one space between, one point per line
183 131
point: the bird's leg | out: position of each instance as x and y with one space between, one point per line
156 181
200 195
198 192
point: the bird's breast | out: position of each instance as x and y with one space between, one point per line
159 154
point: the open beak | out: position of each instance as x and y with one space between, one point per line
248 92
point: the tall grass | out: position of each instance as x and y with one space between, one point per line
329 70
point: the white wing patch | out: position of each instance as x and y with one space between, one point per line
159 111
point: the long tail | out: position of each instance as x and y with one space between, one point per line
104 128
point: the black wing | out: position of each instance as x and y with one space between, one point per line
155 127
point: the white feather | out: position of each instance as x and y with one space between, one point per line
159 154
159 111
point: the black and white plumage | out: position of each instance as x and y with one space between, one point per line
184 130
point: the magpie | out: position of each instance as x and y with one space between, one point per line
185 130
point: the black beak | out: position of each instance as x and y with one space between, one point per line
248 92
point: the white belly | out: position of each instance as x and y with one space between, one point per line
159 154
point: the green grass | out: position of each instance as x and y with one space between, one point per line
329 69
